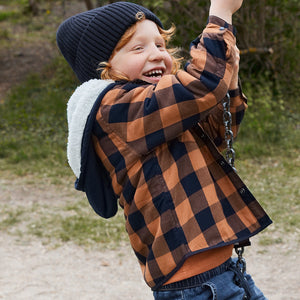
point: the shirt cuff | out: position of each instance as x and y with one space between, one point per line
238 92
223 24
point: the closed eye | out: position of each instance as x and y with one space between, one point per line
137 48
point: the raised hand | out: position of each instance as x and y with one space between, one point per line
224 8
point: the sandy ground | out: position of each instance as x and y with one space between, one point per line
31 270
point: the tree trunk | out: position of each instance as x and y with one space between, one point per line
89 4
33 7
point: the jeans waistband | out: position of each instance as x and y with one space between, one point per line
196 280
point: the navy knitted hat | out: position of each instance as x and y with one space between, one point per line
89 38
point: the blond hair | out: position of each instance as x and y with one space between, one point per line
105 67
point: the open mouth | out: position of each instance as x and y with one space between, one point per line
154 73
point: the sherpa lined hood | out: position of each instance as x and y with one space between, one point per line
92 177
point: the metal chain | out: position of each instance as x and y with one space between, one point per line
241 262
230 157
227 120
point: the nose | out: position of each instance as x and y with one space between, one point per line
155 53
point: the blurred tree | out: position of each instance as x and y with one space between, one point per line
89 4
33 7
271 24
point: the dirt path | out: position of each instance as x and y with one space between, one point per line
32 270
19 55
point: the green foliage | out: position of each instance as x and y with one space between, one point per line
21 5
33 122
4 15
275 25
270 125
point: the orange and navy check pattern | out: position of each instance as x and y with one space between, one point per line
160 146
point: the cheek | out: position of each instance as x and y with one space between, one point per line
135 67
169 63
125 65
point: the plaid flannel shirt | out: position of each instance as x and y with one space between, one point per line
159 143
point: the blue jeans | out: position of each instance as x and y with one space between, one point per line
231 284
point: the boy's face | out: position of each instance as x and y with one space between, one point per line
145 56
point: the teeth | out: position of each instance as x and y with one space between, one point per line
154 73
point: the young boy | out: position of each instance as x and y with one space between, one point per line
149 135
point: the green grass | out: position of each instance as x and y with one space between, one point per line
271 125
4 15
80 226
33 124
62 222
10 218
275 182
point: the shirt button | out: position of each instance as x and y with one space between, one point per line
222 163
242 191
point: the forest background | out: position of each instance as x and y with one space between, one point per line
36 83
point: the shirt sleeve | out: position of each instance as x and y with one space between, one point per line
145 116
213 124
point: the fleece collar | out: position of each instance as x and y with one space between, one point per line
78 110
